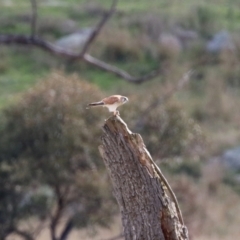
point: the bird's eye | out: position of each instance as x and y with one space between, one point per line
124 99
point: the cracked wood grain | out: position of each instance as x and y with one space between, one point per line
147 211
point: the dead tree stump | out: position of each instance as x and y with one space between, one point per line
147 211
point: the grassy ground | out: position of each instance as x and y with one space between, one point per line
17 67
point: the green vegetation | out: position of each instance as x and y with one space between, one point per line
57 157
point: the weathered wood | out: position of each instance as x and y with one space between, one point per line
147 211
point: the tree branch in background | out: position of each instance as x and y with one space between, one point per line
37 42
34 41
99 27
34 18
119 72
43 224
181 83
66 230
58 213
23 234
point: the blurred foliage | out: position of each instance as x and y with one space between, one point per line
117 46
169 132
189 168
203 19
232 179
51 137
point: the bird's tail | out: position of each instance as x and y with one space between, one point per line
95 104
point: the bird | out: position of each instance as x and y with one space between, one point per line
112 103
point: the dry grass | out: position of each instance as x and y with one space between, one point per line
211 210
89 233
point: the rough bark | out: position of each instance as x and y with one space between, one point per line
147 211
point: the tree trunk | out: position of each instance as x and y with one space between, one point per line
139 186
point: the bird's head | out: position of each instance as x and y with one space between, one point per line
124 99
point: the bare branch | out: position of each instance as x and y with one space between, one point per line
55 50
66 230
58 213
34 18
99 27
23 234
181 83
119 72
43 224
35 41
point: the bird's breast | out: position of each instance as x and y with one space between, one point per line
112 107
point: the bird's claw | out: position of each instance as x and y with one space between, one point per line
116 113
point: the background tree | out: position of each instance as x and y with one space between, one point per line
61 179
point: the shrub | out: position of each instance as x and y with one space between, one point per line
168 132
202 19
118 45
55 27
169 47
49 140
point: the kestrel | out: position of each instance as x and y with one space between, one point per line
112 103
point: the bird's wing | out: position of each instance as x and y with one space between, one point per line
111 100
95 104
